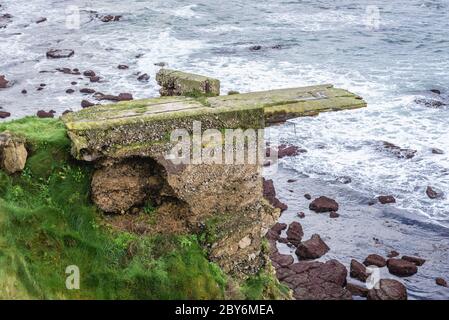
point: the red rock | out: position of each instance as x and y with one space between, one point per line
278 227
333 215
284 260
401 268
3 82
433 193
441 282
389 289
269 193
323 204
358 271
313 248
60 53
86 104
375 260
289 151
45 114
94 79
4 114
295 233
109 18
301 215
393 254
386 199
282 273
416 260
357 290
89 73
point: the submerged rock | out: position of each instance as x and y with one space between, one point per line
13 154
441 282
400 153
389 289
323 204
433 193
333 215
430 103
416 260
313 248
60 53
386 199
401 268
143 77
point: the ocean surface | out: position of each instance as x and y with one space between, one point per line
392 54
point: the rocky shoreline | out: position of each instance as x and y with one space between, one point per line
304 264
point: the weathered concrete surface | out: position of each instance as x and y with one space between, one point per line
178 83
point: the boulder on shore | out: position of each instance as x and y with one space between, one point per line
295 233
313 248
358 271
13 154
389 289
416 260
375 260
323 204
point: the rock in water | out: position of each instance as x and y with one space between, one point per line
357 290
375 260
386 199
313 248
433 193
4 114
45 114
416 260
3 82
60 53
269 193
295 233
358 271
13 154
323 204
401 268
400 153
119 187
441 282
389 289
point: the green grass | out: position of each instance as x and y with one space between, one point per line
47 222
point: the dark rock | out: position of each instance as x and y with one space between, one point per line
318 281
357 290
94 79
269 193
87 91
291 180
430 103
436 91
160 64
42 85
416 260
73 83
122 67
278 227
120 97
288 151
308 196
233 92
401 268
433 193
3 82
441 282
70 91
358 271
40 89
389 289
255 48
284 260
437 151
40 20
323 204
277 46
143 77
386 199
283 240
24 91
313 248
282 273
400 153
60 53
375 260
272 235
66 112
86 104
301 215
89 73
45 114
333 215
393 254
109 18
344 180
4 114
295 233
75 72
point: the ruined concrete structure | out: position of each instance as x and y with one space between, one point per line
128 142
178 83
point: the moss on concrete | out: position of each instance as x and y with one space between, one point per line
178 83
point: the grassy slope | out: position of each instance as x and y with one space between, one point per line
47 223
